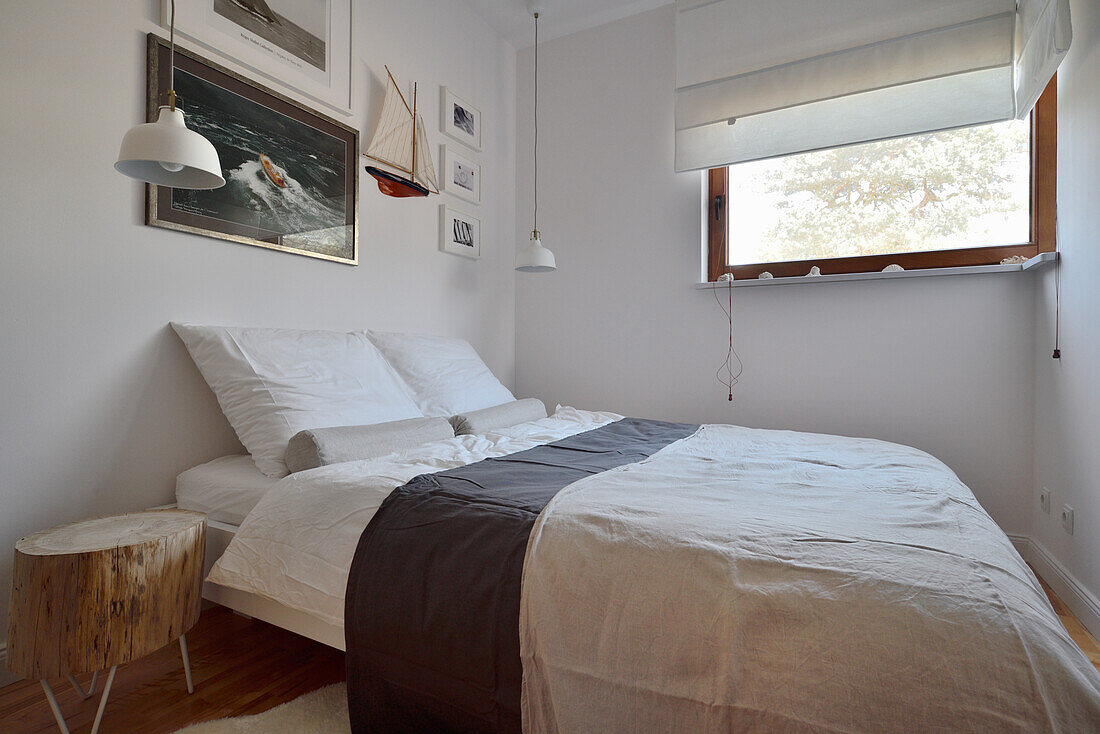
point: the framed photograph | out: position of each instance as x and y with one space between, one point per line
461 233
305 44
461 175
290 172
461 120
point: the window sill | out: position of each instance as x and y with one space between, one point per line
1043 259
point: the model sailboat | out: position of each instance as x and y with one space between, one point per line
399 148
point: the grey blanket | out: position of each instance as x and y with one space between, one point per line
432 603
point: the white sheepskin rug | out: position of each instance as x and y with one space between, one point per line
324 711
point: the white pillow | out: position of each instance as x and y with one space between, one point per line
445 373
273 383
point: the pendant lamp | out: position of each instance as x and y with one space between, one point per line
535 258
165 152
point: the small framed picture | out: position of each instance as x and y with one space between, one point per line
460 234
461 175
461 120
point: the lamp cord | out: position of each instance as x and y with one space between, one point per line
536 146
172 58
730 378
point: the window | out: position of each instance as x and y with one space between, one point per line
972 196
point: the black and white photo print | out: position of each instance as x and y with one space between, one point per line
461 120
461 175
460 234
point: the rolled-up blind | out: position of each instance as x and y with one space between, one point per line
762 79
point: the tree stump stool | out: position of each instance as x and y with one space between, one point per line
92 595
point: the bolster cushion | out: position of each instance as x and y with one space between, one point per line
323 446
498 416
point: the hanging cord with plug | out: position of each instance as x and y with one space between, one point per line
1057 310
729 379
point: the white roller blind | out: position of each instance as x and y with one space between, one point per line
763 79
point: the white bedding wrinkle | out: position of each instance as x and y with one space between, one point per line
296 545
750 580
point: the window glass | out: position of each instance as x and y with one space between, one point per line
940 191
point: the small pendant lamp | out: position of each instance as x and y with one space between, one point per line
536 258
165 152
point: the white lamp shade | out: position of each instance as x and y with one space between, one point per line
535 259
166 153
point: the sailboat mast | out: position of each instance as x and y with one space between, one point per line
414 132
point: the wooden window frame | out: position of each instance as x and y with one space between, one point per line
1044 174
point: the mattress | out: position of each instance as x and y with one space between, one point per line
226 489
736 580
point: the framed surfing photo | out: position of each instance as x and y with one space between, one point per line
305 44
290 172
461 120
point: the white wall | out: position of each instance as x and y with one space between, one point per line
944 364
1067 395
102 407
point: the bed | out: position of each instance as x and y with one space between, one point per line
586 572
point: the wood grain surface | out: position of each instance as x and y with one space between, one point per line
89 595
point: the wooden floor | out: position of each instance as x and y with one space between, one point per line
241 667
1076 630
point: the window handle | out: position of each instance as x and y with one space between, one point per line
718 201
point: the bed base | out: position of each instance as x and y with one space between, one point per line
218 535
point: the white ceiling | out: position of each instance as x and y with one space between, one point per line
557 17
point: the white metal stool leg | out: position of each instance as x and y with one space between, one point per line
54 707
80 689
103 700
186 663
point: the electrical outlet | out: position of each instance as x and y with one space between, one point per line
1067 519
1044 500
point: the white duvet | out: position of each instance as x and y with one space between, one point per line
737 580
296 545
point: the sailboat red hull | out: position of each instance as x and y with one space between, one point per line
392 185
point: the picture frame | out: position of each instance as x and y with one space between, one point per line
460 120
460 234
303 200
461 175
311 51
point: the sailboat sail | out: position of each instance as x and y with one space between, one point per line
400 143
392 143
425 169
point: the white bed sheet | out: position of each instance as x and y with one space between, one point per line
296 545
226 489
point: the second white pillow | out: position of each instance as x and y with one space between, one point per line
446 374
